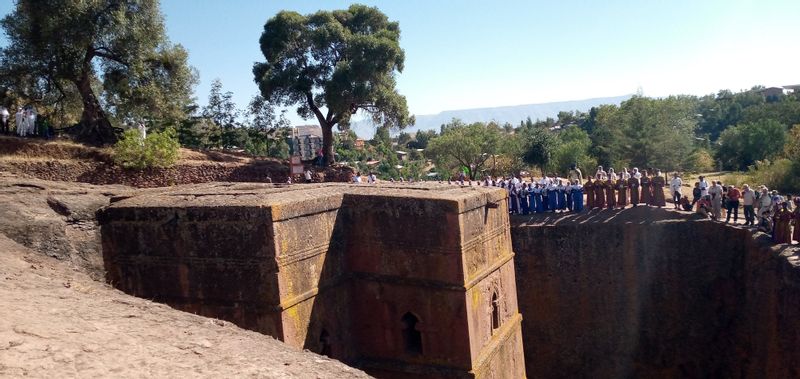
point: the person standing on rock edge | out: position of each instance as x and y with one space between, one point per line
633 184
308 176
562 196
611 201
552 197
600 174
782 229
524 195
646 195
600 193
589 189
622 191
703 186
538 199
696 193
732 206
658 182
749 200
716 199
577 196
675 188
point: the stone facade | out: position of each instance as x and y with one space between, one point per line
403 281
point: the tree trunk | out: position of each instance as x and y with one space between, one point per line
94 127
327 144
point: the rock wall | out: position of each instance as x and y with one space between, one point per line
646 292
402 280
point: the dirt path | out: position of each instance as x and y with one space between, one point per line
57 322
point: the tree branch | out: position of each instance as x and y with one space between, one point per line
105 53
315 109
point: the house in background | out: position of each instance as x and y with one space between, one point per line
772 91
306 140
795 89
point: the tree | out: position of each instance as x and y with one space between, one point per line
333 64
403 139
464 146
647 132
422 138
512 147
267 133
538 146
222 111
791 149
572 149
73 48
743 145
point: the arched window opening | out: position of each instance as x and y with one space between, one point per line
412 338
325 343
495 312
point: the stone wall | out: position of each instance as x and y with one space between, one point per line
648 293
336 269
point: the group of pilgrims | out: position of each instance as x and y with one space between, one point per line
24 121
605 189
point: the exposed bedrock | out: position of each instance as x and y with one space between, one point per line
403 281
651 293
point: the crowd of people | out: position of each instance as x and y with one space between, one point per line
762 208
25 123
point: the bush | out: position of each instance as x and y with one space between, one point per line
699 161
157 150
781 174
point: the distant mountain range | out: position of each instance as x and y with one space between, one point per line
511 114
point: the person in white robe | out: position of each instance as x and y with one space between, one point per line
32 122
19 120
4 117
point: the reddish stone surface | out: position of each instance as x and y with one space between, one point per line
336 269
651 293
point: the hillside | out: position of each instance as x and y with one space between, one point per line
66 161
511 114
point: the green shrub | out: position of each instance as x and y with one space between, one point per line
157 150
699 161
782 174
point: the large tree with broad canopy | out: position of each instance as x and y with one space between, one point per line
113 53
331 64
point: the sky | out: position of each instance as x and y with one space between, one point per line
474 54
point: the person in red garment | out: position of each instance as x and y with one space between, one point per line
783 218
646 195
633 184
611 202
589 189
658 182
622 192
599 194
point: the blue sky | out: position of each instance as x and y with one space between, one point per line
468 54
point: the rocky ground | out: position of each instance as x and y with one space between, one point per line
56 321
59 319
